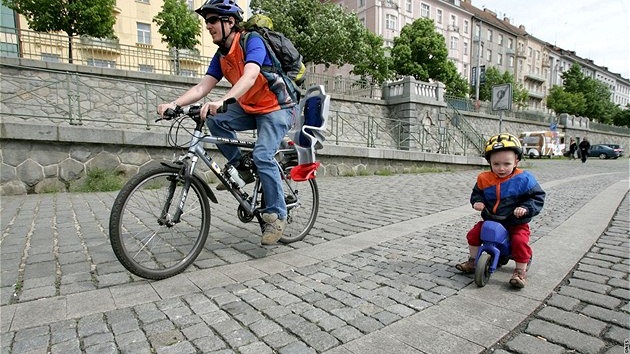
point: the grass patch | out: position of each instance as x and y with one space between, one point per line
98 180
383 172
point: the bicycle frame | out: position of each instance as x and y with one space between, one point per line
196 152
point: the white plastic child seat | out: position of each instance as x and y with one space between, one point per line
310 126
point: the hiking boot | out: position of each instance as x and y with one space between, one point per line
272 230
466 267
519 278
246 176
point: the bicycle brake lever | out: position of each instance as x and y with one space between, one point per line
227 102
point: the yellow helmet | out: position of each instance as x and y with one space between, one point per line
503 141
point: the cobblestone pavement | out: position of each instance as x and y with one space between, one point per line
380 255
588 312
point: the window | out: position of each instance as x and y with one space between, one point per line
408 5
361 3
425 10
465 26
500 39
101 63
144 33
391 21
191 5
465 48
438 16
489 56
478 31
453 21
454 43
489 35
510 43
537 54
500 59
530 52
145 68
49 57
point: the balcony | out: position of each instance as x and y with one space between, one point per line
104 45
186 55
536 94
453 28
509 51
534 77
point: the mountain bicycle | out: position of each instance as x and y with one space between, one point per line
160 219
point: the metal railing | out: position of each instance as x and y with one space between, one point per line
109 53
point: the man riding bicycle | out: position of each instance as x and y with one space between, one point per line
265 103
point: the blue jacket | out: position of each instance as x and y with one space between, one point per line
502 195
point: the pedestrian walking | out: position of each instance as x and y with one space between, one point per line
584 146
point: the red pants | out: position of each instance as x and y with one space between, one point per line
519 238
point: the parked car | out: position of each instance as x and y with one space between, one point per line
603 152
618 148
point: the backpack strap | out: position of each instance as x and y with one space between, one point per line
275 68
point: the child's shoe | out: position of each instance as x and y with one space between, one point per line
519 278
466 267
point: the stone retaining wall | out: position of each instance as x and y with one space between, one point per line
60 120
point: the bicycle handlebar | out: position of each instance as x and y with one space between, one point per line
193 111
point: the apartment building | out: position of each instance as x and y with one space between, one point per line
474 38
138 45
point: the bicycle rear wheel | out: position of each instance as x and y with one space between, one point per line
141 231
302 200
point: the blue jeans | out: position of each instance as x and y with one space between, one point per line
271 128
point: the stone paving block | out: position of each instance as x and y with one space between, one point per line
209 344
133 294
564 302
527 344
590 297
618 334
572 320
72 346
87 303
183 347
560 335
610 316
39 312
590 286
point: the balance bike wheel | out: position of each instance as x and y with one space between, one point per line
482 270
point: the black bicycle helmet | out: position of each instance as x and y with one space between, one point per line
221 7
503 142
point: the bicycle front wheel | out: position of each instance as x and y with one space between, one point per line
144 236
302 200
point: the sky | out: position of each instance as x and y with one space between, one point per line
595 29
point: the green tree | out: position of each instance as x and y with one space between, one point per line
622 116
596 103
179 27
373 66
74 17
562 101
421 52
321 31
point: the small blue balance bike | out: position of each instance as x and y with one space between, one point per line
494 252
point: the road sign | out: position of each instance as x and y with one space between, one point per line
502 97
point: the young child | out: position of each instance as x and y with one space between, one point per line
505 191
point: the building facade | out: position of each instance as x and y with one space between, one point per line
475 38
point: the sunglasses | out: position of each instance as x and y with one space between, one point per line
214 19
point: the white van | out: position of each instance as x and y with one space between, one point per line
542 143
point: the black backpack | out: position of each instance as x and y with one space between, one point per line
284 54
